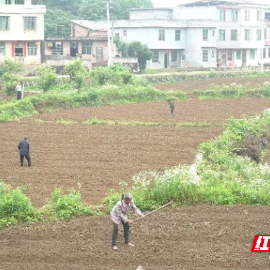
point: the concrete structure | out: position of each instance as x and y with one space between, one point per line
21 31
199 34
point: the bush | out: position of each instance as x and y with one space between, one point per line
66 206
47 77
10 81
15 207
10 67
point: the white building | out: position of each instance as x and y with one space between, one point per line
21 31
198 34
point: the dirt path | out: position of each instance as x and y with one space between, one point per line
202 237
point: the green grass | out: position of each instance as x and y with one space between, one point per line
107 95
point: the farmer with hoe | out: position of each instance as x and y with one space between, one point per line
119 215
24 151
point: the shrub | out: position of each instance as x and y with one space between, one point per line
15 207
46 77
10 67
10 81
66 206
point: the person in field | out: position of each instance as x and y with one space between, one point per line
19 91
172 107
24 150
119 215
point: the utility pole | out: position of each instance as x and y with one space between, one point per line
109 35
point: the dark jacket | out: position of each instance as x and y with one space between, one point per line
24 148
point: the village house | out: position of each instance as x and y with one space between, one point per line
90 46
198 34
21 31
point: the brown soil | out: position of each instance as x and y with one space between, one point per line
202 237
211 111
189 86
98 157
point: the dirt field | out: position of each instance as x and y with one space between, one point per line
202 237
211 111
98 157
189 86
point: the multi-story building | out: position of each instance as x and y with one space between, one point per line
21 30
198 34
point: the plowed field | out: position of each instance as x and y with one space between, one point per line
202 237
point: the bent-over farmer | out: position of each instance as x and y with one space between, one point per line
119 215
172 107
24 150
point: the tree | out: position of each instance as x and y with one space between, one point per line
46 77
9 83
60 12
10 67
77 72
135 49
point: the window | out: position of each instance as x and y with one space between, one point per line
30 23
19 2
125 33
264 53
8 2
252 54
213 33
205 55
161 34
4 23
99 56
57 48
86 47
259 15
259 34
32 48
205 35
174 56
235 15
155 58
222 34
238 55
213 54
18 49
247 15
177 35
234 35
268 52
117 36
222 15
265 33
248 35
230 55
2 48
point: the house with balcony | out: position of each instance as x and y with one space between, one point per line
21 31
90 45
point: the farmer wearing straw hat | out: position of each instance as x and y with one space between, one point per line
119 215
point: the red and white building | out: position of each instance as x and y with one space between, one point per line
21 31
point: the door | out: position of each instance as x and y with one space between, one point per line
166 60
244 58
73 48
223 57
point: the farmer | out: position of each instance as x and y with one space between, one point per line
19 91
24 151
172 107
119 215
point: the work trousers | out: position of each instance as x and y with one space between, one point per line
19 95
27 158
115 233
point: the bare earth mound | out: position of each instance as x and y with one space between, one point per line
211 111
203 237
